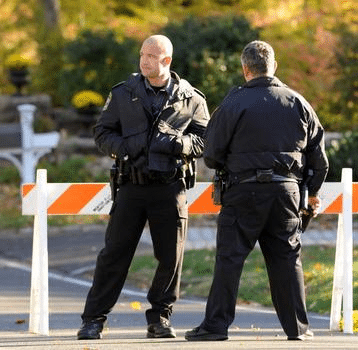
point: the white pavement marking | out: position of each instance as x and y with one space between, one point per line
58 277
83 270
76 281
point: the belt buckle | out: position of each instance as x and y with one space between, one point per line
264 175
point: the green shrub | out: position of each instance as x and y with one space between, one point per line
46 74
74 169
95 61
218 74
9 175
343 154
207 52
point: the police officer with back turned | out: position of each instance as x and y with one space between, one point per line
153 124
264 137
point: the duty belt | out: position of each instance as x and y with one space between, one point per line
260 176
138 177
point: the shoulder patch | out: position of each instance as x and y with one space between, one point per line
109 98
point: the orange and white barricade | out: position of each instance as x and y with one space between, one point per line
42 199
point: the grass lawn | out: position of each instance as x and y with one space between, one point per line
198 267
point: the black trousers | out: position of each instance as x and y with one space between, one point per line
165 208
267 213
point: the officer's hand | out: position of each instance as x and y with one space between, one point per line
315 203
166 143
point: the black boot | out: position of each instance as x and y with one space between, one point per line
90 329
161 329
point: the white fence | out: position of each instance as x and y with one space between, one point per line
31 146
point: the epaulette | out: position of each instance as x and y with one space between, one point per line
187 90
235 89
121 83
200 93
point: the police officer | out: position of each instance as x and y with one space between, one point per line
153 124
264 136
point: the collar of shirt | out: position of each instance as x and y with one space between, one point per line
263 81
156 100
168 88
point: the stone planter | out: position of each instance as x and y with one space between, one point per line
19 78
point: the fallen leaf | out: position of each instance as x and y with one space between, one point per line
136 305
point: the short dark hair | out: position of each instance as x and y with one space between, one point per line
259 57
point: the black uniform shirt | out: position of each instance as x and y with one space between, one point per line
158 96
264 124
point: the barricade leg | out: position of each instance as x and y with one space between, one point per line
343 268
337 290
348 251
39 311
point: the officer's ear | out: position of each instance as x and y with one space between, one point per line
247 73
167 60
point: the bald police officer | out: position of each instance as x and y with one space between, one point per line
153 125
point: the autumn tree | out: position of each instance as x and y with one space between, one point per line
314 41
346 105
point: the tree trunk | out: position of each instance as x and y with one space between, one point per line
52 12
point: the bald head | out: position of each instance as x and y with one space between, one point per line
162 43
155 59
